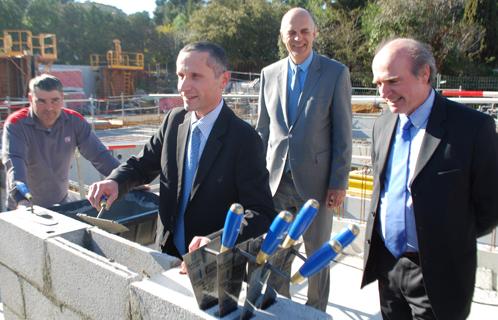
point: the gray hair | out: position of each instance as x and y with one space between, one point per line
420 54
217 60
45 82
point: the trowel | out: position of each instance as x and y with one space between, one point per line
104 224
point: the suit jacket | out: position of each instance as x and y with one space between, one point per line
231 169
454 200
318 143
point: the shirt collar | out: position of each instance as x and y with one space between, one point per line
206 123
304 66
420 116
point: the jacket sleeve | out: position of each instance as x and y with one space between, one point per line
14 155
341 132
263 122
485 178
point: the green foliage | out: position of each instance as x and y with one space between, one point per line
438 23
462 33
248 30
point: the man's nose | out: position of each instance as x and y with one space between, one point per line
383 90
183 85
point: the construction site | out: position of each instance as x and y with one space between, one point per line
64 268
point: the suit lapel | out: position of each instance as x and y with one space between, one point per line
212 148
282 89
181 143
384 141
433 134
312 79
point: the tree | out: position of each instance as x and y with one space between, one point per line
12 12
484 13
248 30
438 23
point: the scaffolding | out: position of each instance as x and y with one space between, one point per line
117 70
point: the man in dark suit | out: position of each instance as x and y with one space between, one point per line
435 166
304 120
207 158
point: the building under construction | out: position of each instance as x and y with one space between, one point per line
20 54
117 71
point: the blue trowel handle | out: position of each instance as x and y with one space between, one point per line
23 189
326 253
302 222
275 235
232 227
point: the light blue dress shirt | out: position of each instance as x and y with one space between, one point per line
419 120
205 124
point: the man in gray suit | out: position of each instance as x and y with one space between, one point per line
305 123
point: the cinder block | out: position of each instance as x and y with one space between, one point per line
86 282
12 292
153 301
170 296
140 259
484 278
38 306
10 315
28 231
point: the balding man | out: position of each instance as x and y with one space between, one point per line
435 167
305 122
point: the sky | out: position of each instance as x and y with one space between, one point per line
129 6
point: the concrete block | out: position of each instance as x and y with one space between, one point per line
484 278
86 282
140 259
10 315
12 291
28 231
170 296
39 306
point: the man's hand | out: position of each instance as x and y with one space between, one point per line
109 188
195 244
335 198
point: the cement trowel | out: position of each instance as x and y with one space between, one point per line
261 269
216 270
104 224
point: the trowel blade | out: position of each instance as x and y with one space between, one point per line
104 224
282 261
231 270
201 270
257 279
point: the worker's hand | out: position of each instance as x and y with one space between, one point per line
195 244
109 188
335 198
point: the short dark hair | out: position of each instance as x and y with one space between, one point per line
45 82
217 60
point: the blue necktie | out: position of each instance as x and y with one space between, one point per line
294 93
395 237
189 169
